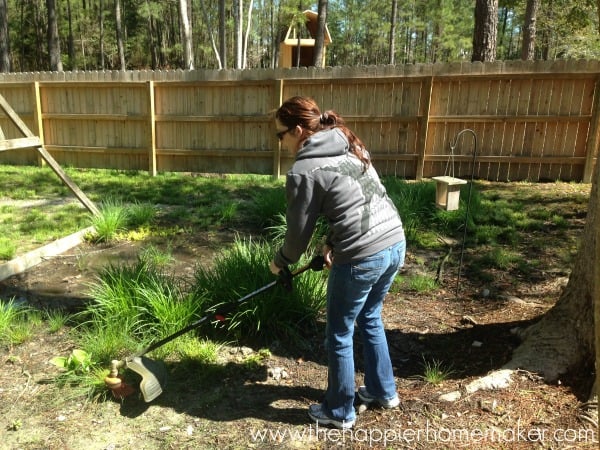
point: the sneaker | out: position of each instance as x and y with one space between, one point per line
367 398
316 413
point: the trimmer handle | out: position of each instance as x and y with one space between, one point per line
317 263
285 275
285 278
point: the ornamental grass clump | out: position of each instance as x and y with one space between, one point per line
114 218
271 315
111 220
17 322
132 306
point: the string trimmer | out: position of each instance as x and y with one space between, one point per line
153 373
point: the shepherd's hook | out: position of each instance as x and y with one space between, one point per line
452 147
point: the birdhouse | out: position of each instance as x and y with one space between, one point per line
302 40
447 192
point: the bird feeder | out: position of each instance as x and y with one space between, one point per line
447 192
447 187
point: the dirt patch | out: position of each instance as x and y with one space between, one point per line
63 281
468 334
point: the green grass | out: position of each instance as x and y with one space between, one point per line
499 258
127 202
239 271
136 304
267 205
17 322
435 371
256 360
111 220
420 283
57 320
155 257
203 351
278 229
27 227
116 218
138 301
8 248
424 223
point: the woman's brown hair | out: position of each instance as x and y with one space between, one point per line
304 112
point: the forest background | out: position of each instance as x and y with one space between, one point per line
84 35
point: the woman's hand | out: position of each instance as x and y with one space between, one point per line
327 252
274 269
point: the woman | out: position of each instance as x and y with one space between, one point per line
333 177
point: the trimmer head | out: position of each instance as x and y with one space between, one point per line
153 376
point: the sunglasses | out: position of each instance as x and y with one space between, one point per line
281 134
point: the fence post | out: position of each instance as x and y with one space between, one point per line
591 147
278 97
152 130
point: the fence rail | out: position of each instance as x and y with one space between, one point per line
532 120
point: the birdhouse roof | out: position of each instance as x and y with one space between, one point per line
312 19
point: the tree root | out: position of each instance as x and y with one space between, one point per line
588 413
439 278
498 379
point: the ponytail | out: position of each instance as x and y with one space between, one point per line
304 112
331 119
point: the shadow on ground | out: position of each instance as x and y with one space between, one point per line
235 391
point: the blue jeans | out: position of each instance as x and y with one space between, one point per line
355 294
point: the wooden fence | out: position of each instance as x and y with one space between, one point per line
531 120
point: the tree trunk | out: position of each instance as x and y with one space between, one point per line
598 13
275 37
238 8
596 290
53 41
153 39
41 38
4 41
529 29
101 20
119 31
222 33
186 35
320 36
484 34
545 34
563 340
438 29
247 35
71 37
392 39
211 34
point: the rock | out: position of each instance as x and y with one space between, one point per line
278 373
450 396
499 379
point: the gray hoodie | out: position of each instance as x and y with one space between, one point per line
328 180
